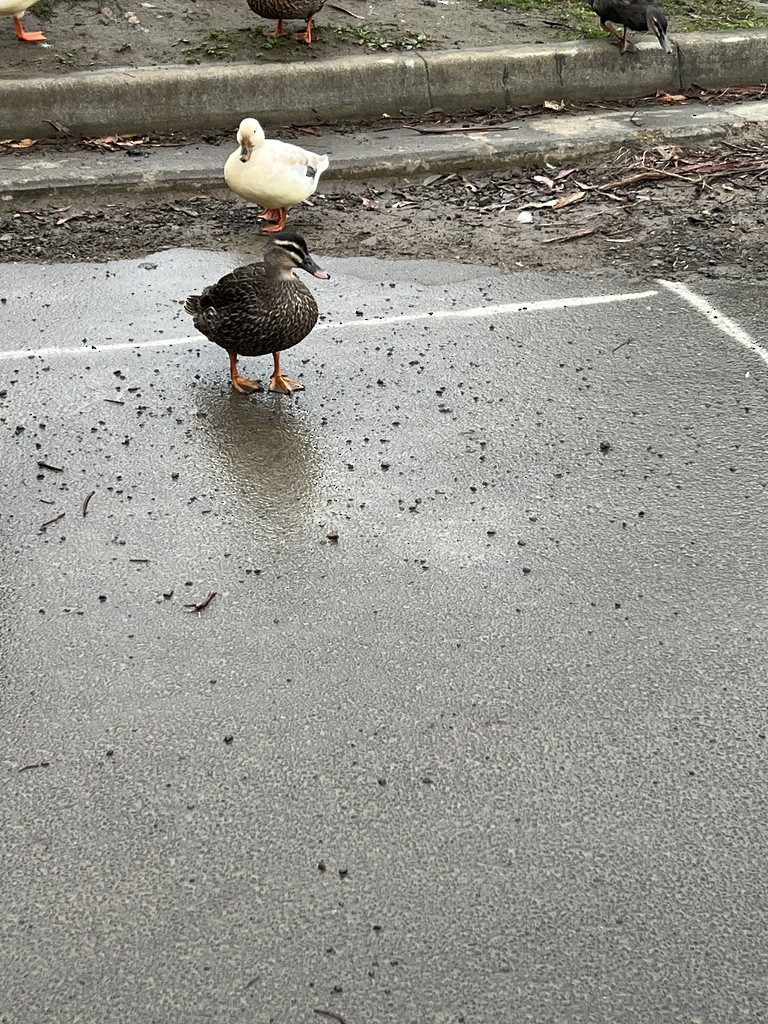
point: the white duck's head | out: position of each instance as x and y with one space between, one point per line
250 134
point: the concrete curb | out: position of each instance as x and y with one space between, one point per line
398 153
185 98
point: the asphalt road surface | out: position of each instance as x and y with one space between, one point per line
474 729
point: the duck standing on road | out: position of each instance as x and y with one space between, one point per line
283 10
261 308
276 175
638 15
18 8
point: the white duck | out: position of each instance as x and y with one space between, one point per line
276 175
18 8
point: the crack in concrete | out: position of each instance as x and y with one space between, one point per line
559 66
679 60
425 62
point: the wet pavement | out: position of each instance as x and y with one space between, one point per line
474 728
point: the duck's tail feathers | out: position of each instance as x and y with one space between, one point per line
317 166
205 318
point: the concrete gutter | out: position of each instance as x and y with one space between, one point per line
192 98
399 153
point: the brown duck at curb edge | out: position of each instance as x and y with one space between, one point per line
283 10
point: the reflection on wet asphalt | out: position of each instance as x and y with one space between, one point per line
265 455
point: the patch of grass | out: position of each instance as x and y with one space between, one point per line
515 5
381 38
568 19
214 45
241 44
684 15
286 43
690 15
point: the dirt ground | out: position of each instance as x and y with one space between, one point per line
666 211
85 34
106 33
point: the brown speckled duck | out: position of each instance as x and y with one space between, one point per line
284 10
261 308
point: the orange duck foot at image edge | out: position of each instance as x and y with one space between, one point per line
26 37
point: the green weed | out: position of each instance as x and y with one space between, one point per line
214 45
380 38
684 15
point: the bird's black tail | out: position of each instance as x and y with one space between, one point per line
193 305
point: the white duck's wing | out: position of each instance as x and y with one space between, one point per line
287 171
285 184
286 152
276 174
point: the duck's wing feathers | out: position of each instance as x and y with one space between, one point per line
219 304
232 288
295 156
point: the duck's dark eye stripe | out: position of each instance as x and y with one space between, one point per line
291 247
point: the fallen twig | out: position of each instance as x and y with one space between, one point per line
344 10
142 560
69 217
200 605
635 179
86 502
182 209
737 170
332 1015
570 238
40 764
438 129
54 469
114 401
123 141
61 128
52 521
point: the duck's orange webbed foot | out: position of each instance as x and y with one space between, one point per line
275 225
275 33
244 385
306 35
280 384
284 385
27 37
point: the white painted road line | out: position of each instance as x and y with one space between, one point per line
439 314
513 307
716 318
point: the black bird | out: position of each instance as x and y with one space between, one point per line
261 308
638 15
